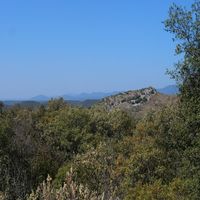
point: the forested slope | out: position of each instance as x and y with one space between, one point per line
102 153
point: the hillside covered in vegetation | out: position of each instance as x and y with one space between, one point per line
106 152
100 146
137 102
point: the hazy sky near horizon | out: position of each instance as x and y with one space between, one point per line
54 47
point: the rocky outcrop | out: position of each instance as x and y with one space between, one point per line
129 99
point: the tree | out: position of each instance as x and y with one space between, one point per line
185 26
180 137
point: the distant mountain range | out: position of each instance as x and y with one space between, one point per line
77 97
86 98
40 98
169 90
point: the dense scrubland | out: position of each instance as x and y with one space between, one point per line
63 152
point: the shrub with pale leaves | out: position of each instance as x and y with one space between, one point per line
69 191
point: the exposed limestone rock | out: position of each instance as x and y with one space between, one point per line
129 99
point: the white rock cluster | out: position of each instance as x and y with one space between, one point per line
133 98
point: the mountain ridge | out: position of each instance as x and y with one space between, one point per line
137 102
169 90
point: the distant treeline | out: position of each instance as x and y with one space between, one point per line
85 103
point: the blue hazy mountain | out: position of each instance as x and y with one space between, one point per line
88 96
76 97
40 98
170 90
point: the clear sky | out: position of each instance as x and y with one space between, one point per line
55 47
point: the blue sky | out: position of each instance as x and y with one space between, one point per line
54 47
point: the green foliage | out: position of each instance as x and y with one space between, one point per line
114 124
155 157
177 189
93 168
41 140
1 106
185 26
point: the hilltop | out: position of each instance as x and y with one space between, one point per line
140 101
